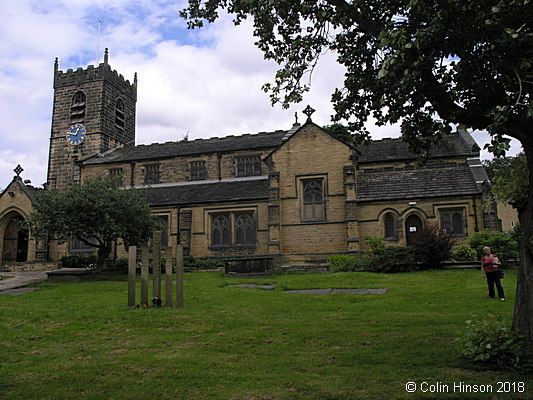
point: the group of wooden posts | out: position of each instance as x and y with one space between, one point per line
171 253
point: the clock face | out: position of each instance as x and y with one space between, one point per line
76 134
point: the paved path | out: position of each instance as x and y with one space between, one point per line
20 279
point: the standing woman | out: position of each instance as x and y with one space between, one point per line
490 268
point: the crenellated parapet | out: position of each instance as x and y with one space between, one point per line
92 74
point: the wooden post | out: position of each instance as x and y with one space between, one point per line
132 266
168 272
144 276
179 277
156 265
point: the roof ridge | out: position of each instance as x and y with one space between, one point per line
213 138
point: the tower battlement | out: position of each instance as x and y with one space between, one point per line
91 74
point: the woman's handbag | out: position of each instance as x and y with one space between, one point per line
502 274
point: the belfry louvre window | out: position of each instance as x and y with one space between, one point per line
248 166
119 113
198 171
151 174
313 200
78 107
233 229
452 221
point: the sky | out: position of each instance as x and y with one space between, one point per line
200 83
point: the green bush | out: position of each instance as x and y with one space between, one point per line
344 263
432 246
392 259
500 243
78 261
205 263
491 341
464 253
121 264
376 244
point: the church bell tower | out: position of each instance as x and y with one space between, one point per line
94 111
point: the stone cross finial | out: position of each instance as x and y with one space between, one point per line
18 170
309 111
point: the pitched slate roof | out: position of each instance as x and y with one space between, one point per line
201 146
215 192
397 150
416 183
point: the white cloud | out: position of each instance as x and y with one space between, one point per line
206 82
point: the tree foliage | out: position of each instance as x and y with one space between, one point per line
510 177
97 213
423 63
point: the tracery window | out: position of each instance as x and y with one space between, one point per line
197 170
221 230
248 166
244 229
313 199
236 228
117 172
151 174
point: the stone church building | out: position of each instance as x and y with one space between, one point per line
297 195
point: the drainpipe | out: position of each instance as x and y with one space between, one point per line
476 228
132 180
219 155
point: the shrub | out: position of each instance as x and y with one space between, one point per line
78 261
464 253
392 259
121 264
490 341
376 244
205 263
432 246
500 243
344 263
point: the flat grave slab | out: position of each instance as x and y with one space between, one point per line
253 286
349 291
14 292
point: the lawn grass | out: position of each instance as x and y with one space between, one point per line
80 341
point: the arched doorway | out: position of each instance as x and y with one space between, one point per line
413 225
15 241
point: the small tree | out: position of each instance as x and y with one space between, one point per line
432 246
97 212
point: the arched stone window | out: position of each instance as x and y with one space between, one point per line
119 113
313 200
221 230
244 229
390 230
78 107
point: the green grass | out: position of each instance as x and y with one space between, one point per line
80 341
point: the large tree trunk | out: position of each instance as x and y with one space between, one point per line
103 253
523 311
